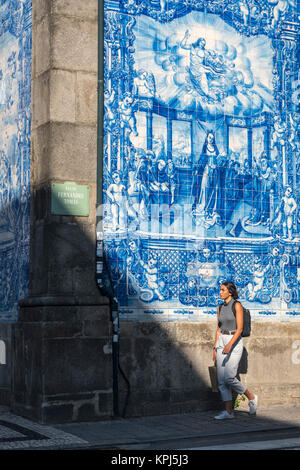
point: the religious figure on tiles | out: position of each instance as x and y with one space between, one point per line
203 72
160 185
246 171
285 214
267 180
206 187
159 147
264 177
127 117
145 180
172 177
233 190
144 84
143 177
206 69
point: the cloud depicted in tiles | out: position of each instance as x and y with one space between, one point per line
204 64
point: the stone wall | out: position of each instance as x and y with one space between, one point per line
62 353
62 369
167 366
62 343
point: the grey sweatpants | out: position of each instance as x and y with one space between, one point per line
227 366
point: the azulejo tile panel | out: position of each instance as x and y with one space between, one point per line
201 156
15 77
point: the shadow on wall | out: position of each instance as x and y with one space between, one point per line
167 367
166 363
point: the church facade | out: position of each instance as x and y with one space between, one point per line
149 152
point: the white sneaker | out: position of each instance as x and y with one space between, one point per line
225 415
253 405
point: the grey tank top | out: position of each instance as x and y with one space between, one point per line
227 318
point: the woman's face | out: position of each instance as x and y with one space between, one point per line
210 138
224 292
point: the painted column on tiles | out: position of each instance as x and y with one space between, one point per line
201 156
15 78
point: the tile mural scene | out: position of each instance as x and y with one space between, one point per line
15 76
202 156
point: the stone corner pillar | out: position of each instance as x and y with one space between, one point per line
62 341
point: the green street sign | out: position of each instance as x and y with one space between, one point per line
70 198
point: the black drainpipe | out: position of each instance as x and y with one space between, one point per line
102 266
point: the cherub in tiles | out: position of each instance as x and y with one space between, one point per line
151 275
144 84
126 112
120 207
258 279
285 213
281 8
279 134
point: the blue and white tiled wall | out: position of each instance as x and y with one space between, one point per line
15 76
202 156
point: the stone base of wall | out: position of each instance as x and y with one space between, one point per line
167 366
62 364
5 363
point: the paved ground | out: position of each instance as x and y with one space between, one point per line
276 427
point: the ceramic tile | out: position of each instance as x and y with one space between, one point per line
203 129
15 77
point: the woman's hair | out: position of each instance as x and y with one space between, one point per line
232 289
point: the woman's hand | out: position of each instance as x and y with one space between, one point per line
227 349
214 355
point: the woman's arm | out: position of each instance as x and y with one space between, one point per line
217 336
239 316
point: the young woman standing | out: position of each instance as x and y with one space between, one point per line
228 349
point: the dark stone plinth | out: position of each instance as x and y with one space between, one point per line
62 363
5 360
